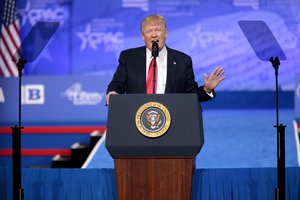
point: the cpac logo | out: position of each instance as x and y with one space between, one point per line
112 41
34 15
205 38
79 97
2 98
33 94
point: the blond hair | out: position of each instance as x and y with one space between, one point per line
153 19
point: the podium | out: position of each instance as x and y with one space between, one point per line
154 140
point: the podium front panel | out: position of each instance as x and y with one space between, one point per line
183 138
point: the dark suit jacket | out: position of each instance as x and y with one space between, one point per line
130 76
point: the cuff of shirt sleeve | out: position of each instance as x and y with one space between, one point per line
211 94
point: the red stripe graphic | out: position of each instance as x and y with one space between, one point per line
37 152
55 129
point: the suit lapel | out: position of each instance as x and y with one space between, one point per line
171 71
141 70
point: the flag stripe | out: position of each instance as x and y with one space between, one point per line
4 65
14 41
1 72
7 58
14 35
10 36
10 39
8 49
4 71
8 46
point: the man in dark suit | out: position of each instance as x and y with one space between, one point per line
174 71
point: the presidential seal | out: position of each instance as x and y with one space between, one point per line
152 119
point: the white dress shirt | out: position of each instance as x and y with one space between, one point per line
161 67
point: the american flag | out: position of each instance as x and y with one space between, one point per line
10 38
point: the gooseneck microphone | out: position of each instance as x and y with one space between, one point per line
154 55
154 49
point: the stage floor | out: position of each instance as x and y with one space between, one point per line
237 161
233 139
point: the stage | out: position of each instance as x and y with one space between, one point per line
237 161
63 92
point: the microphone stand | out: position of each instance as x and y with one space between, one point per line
18 193
155 51
280 189
154 77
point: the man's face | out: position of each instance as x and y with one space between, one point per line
154 32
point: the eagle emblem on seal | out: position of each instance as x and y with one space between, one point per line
153 119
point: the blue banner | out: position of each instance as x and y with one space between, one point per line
54 59
92 34
73 100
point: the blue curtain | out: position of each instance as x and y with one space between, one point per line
245 184
208 184
66 184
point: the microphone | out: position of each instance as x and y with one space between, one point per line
154 49
154 55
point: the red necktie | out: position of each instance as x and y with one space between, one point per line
150 78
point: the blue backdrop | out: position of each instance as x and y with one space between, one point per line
55 100
92 34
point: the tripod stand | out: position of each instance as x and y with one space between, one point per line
30 48
266 46
18 192
280 190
